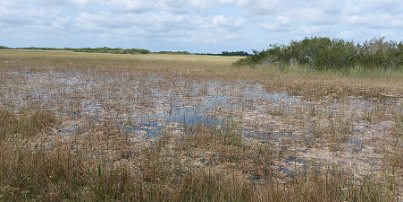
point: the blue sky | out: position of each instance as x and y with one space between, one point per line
194 25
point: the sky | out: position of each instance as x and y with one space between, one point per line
203 26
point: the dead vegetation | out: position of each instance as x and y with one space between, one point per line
93 127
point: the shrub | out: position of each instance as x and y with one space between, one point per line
323 53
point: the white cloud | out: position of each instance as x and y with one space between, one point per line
190 24
278 24
137 6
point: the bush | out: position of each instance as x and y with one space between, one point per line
323 53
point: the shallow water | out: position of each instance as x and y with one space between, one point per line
150 103
143 105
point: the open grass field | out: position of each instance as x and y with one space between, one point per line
95 127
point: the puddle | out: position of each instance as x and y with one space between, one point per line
293 165
152 129
355 144
193 117
208 104
293 159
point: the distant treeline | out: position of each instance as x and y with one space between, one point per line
132 51
96 50
111 50
227 53
224 53
174 52
324 53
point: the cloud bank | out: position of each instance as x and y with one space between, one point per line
193 25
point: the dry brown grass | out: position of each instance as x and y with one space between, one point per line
169 169
61 115
313 85
27 123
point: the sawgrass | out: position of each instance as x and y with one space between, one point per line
101 163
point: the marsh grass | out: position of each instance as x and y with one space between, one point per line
28 123
70 148
29 173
